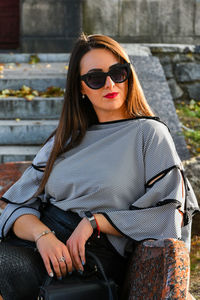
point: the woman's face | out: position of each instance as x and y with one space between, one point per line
109 100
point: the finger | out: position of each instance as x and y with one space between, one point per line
56 267
62 265
48 266
77 260
82 254
73 251
68 260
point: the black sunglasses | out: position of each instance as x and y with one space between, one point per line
96 79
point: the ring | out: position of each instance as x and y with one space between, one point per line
62 259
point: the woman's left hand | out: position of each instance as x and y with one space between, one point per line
76 243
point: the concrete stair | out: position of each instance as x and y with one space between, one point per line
24 125
39 108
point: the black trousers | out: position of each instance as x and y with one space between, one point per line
22 271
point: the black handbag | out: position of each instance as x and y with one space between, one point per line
79 288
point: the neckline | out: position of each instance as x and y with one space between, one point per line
111 124
115 121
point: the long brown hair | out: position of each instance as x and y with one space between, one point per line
77 115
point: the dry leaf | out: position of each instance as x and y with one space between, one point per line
29 97
26 89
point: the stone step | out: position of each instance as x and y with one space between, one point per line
43 57
25 132
38 76
131 49
40 108
17 153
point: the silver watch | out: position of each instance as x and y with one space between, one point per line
91 219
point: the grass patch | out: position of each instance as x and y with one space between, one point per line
189 116
195 254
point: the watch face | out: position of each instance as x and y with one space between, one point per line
89 214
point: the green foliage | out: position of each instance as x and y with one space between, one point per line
195 254
34 59
189 115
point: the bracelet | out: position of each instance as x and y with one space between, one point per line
44 233
98 228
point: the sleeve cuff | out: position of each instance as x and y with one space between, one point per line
16 213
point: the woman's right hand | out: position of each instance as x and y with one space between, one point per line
55 255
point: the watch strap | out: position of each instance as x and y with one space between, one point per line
91 219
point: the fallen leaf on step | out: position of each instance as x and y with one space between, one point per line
29 97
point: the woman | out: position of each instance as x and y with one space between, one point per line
108 156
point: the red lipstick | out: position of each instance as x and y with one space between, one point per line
111 95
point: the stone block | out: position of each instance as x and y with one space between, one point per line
168 71
188 57
187 72
136 50
50 18
165 59
46 45
197 18
194 91
155 18
171 48
138 18
175 89
43 18
100 17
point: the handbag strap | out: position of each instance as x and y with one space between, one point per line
101 269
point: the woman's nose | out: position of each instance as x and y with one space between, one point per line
109 82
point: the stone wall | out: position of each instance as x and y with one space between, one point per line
149 21
52 26
181 64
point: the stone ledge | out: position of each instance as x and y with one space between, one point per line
173 48
25 57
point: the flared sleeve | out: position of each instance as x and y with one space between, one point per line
20 196
158 213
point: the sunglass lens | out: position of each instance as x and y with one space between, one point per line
119 74
96 80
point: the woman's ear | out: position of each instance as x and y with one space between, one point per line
82 89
